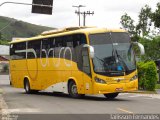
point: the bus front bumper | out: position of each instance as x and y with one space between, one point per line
112 88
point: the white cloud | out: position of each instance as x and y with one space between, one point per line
107 12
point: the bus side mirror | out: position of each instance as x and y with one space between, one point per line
141 47
91 50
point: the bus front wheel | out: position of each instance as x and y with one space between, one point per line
72 90
111 95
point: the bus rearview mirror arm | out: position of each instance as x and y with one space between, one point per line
91 50
141 47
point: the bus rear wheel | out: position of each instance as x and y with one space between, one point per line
111 95
72 90
28 89
10 83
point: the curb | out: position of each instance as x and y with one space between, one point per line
143 92
4 73
3 108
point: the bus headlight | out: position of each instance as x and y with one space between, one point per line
134 77
98 80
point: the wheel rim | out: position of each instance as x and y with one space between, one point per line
74 90
27 87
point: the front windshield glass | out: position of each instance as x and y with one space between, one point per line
113 53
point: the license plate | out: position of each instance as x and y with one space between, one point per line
119 89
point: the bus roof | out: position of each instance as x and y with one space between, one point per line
67 31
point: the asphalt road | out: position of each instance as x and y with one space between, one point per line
55 103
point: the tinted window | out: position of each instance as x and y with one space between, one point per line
46 45
58 47
109 38
79 39
49 45
18 51
33 49
101 38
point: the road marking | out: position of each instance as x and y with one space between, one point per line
145 96
21 110
151 96
124 94
126 111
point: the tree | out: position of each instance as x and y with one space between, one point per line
128 24
152 48
156 16
144 23
148 23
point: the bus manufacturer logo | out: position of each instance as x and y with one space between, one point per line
118 80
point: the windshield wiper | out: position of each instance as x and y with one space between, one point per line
121 61
117 56
101 60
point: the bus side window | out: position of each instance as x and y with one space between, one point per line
58 47
69 41
69 51
35 46
46 45
85 59
18 51
51 47
12 51
78 40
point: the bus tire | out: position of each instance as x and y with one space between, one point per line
111 95
72 90
10 83
27 87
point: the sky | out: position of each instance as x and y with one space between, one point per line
107 13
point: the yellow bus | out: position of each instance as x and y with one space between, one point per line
75 60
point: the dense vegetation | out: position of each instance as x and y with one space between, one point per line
10 28
147 75
147 32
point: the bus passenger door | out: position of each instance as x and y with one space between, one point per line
86 71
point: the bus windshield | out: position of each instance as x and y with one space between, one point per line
113 53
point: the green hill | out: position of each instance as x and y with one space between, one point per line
10 28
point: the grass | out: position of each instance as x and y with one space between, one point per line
157 86
4 42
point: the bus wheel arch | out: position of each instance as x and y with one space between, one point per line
73 90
